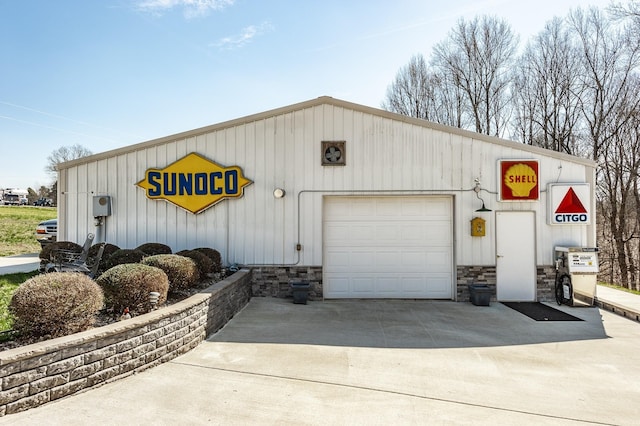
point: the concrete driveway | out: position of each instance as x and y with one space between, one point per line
380 363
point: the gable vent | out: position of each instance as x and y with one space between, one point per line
333 153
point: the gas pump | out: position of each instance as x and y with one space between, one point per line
576 275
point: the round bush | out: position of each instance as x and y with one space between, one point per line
129 285
122 256
109 249
55 304
215 257
49 249
151 249
182 271
204 264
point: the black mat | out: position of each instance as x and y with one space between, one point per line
540 312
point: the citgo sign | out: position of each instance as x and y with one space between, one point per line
569 204
194 183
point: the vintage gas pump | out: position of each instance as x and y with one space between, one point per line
576 275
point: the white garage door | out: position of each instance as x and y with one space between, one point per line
388 247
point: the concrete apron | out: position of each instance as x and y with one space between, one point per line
380 362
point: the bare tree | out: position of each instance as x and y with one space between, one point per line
62 154
411 93
608 58
477 56
547 90
618 197
630 10
420 92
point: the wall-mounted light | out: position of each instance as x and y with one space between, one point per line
154 297
279 193
477 190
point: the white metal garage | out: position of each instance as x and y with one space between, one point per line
379 220
388 247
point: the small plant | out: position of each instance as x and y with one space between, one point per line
204 264
181 271
151 249
122 256
55 304
215 257
129 285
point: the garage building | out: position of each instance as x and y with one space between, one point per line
359 202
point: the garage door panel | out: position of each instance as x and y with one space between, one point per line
393 247
440 286
438 261
362 286
387 259
409 286
338 285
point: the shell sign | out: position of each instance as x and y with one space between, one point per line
519 180
194 183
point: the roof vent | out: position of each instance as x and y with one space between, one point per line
333 153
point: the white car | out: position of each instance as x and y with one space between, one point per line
47 231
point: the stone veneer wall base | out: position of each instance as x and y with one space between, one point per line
545 281
275 281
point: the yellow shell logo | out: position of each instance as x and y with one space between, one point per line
521 179
194 183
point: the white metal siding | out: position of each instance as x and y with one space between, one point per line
283 150
388 247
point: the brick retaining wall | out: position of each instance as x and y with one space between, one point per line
35 374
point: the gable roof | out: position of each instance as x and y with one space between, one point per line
327 100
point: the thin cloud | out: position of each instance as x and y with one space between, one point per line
190 8
246 36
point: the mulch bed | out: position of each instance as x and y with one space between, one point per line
103 317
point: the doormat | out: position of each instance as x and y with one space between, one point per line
540 312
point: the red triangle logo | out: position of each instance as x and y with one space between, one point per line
571 203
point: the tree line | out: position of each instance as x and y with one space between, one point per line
574 88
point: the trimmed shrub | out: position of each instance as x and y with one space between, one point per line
49 249
122 256
55 304
151 249
204 264
215 257
181 271
109 249
129 285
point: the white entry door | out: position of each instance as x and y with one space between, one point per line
515 256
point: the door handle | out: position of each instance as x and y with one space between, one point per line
498 256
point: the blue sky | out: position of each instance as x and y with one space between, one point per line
110 73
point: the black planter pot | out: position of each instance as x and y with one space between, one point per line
300 292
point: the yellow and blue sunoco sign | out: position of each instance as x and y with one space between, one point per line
194 183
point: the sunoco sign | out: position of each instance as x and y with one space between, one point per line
569 204
194 183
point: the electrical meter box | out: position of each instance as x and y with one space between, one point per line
580 265
101 205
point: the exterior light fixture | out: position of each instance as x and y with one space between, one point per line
279 193
477 190
153 299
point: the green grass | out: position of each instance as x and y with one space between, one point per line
617 287
8 285
18 227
